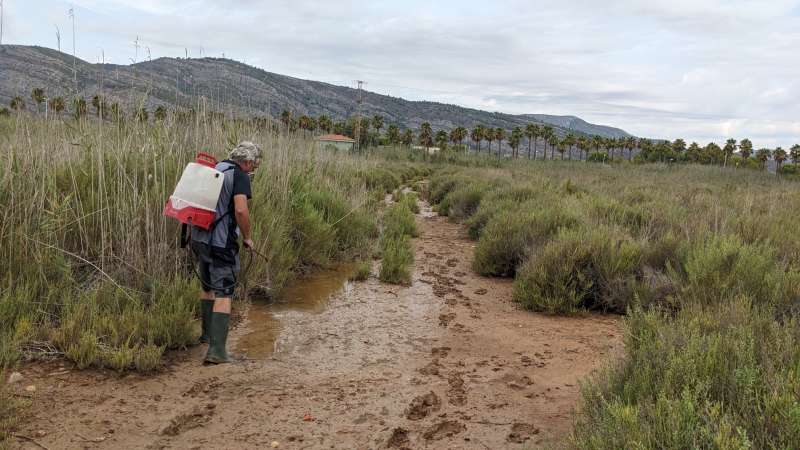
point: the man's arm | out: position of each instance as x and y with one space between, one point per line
242 214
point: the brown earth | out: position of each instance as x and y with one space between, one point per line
448 362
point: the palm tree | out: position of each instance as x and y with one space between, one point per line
561 146
457 135
286 118
425 135
553 141
393 134
499 135
515 140
488 134
763 155
583 146
547 134
325 123
597 142
630 144
779 155
794 153
17 103
408 138
377 123
679 146
37 94
746 148
569 141
729 149
58 104
338 128
440 138
532 132
160 113
477 136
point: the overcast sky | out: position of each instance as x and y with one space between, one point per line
698 69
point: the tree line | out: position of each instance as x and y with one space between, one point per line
521 140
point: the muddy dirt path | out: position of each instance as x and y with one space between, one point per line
448 362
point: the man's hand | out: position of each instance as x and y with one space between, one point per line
248 243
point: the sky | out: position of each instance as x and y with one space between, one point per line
702 70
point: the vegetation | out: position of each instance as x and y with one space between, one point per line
701 260
92 268
362 272
399 226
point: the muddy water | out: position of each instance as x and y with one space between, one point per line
309 294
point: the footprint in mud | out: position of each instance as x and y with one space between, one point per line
452 262
460 328
196 418
399 439
444 429
423 405
457 395
431 369
445 319
481 291
516 382
203 387
521 432
440 352
460 274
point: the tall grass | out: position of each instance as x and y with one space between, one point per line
399 226
703 261
91 269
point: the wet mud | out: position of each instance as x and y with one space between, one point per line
448 362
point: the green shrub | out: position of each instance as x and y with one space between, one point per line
441 185
723 267
362 272
462 202
477 222
397 258
510 234
580 269
399 220
721 376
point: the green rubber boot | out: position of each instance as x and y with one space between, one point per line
219 337
206 307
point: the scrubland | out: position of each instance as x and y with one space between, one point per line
703 261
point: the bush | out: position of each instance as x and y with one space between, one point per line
362 272
397 260
723 267
462 202
580 269
509 235
399 226
721 376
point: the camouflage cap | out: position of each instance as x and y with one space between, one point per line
246 151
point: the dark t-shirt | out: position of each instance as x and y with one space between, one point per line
241 186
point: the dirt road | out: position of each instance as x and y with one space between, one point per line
448 362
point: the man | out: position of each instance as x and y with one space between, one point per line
217 249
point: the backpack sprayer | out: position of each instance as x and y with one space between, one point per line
194 201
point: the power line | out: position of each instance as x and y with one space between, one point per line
359 101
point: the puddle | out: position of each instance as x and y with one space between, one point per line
310 294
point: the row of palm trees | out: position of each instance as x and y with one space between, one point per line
369 129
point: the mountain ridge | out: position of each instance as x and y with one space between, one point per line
234 86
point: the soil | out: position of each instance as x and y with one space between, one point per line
448 362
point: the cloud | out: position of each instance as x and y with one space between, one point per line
698 69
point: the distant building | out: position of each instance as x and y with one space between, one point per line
336 142
431 150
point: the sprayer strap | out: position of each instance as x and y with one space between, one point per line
184 235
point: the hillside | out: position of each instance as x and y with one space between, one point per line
232 86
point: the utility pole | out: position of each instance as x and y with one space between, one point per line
358 115
58 35
136 46
74 69
1 22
